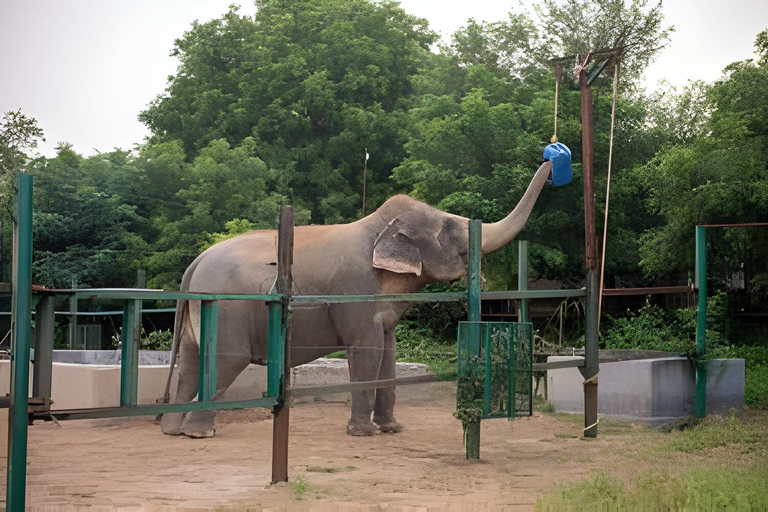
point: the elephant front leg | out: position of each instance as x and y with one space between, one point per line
364 363
383 410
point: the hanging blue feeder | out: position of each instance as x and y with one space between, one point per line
560 156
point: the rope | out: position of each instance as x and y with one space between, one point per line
558 76
592 425
607 194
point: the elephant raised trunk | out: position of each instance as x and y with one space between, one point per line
498 234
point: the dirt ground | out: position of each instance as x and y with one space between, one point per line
128 464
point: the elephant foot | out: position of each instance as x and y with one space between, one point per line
198 424
361 429
170 423
389 426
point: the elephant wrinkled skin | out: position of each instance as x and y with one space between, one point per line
400 248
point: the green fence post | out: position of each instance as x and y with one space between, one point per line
275 350
473 284
16 472
209 324
129 364
522 278
700 404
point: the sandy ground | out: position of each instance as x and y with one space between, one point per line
128 464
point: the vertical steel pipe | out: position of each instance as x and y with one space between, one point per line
522 278
44 331
16 472
129 363
209 324
700 405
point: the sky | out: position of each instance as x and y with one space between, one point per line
86 68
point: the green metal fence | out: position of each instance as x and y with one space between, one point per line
495 368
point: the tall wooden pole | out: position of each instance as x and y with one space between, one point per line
281 423
591 366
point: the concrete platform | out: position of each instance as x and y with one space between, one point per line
77 386
654 390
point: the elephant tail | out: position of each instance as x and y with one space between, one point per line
178 327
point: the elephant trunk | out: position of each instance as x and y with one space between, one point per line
498 234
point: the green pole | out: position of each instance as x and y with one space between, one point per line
473 286
700 404
16 474
209 324
275 350
522 278
129 362
475 244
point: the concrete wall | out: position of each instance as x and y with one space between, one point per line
77 386
650 389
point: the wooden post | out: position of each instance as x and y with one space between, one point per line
590 369
281 423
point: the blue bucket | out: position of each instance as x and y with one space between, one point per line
560 156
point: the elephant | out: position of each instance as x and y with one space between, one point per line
399 248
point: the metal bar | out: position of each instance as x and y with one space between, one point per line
317 300
488 369
473 287
556 365
129 364
43 363
653 290
275 352
153 409
134 293
522 278
110 313
73 320
209 324
534 294
361 386
738 225
283 283
700 401
16 473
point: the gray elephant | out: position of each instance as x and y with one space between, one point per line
400 248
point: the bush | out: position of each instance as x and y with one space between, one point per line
155 340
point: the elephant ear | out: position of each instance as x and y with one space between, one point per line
394 251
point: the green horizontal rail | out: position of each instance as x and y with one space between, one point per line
534 294
316 300
132 293
313 300
155 409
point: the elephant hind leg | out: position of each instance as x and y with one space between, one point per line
201 423
188 371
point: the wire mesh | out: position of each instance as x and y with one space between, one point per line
495 368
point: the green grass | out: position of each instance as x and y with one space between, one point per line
697 488
302 488
715 432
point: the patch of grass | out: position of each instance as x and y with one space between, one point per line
320 469
565 436
301 487
694 489
543 406
341 354
715 432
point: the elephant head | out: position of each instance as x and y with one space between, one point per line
431 244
